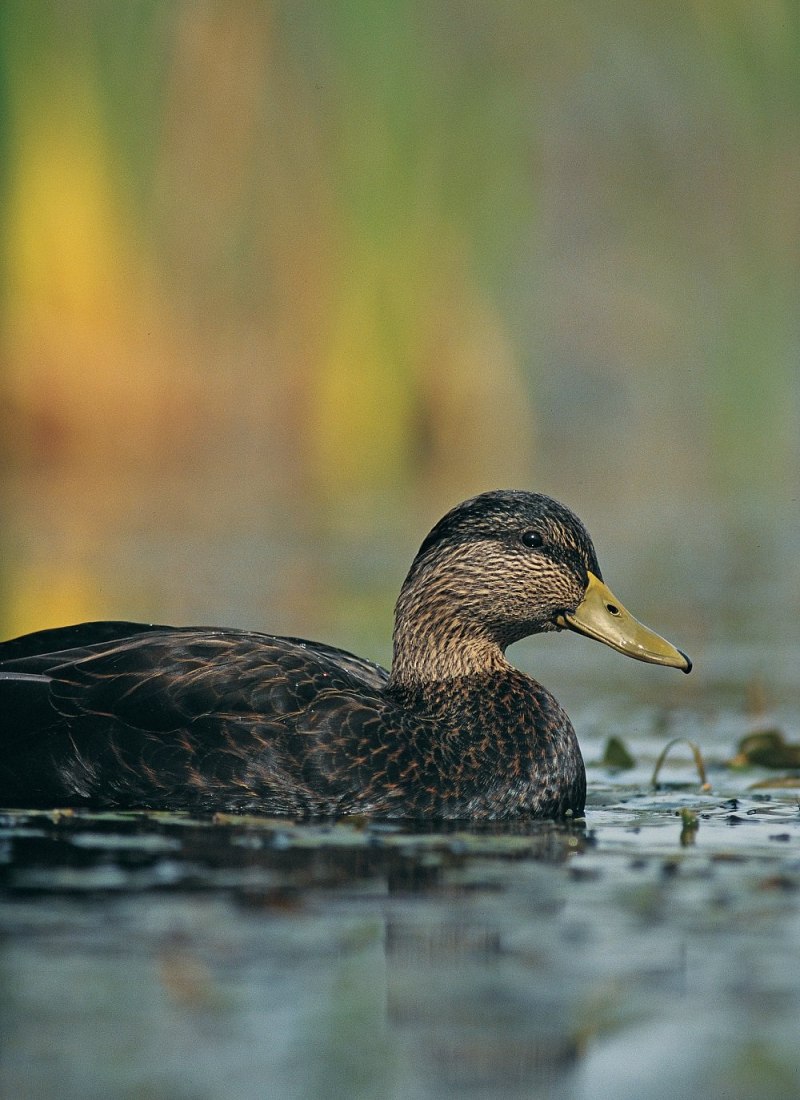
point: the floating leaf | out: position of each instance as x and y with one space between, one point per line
617 756
768 749
776 782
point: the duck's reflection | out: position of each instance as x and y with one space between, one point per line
435 962
477 1008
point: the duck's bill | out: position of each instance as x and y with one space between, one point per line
600 615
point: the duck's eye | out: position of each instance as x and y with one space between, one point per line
532 539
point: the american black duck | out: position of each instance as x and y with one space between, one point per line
125 715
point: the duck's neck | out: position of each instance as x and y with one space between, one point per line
428 660
432 643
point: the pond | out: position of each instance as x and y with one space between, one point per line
651 952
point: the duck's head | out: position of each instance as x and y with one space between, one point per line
507 564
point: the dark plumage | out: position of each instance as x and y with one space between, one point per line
193 718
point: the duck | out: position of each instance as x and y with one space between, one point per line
134 716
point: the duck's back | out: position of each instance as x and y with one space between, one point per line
124 714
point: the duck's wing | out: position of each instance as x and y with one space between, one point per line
60 647
42 646
190 718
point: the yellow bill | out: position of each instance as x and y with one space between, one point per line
600 615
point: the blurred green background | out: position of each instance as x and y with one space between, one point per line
282 282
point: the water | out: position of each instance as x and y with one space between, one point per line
169 958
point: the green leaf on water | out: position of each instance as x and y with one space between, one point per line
767 749
617 756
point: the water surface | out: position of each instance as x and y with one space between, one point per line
643 953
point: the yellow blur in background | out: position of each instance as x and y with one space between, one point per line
282 282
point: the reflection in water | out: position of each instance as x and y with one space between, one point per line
476 1015
344 937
